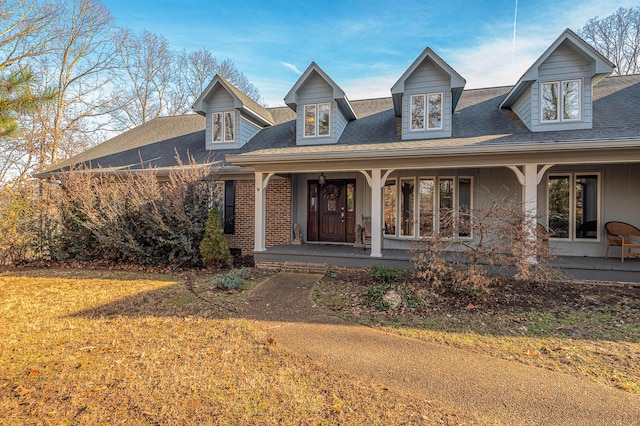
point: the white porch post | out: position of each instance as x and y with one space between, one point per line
529 177
530 195
259 212
376 213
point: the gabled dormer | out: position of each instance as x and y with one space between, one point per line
232 117
321 106
556 92
426 96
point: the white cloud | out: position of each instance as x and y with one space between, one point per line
291 67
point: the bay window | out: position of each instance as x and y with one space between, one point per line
573 206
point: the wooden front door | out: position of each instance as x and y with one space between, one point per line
331 211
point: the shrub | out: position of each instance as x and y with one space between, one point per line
502 240
383 274
134 219
232 280
213 247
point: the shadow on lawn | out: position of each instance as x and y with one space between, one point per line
177 300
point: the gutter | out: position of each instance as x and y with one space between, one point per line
549 146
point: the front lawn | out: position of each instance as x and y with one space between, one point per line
583 329
104 347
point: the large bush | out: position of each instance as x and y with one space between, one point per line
134 219
504 239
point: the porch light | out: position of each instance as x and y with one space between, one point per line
321 179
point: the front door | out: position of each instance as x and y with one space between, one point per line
331 211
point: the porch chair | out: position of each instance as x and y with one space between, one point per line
626 236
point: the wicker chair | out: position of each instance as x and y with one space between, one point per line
625 236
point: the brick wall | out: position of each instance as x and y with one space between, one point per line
278 215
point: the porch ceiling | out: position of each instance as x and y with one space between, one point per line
412 156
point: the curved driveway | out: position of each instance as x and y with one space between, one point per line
492 389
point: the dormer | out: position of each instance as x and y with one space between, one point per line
556 91
321 106
426 96
232 117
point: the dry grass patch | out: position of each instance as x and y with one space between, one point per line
99 347
587 330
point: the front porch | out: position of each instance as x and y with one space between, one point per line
577 267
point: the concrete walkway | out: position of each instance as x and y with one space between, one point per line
492 389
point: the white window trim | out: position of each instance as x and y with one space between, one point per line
399 218
560 110
224 127
316 133
572 207
396 182
436 206
433 207
425 127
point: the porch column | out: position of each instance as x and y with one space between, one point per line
376 213
259 212
529 177
530 198
260 223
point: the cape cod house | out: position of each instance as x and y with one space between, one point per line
566 129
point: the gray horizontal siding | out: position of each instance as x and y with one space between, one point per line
563 64
316 90
522 108
427 78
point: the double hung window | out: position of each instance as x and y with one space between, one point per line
420 207
561 101
573 201
316 120
223 126
426 111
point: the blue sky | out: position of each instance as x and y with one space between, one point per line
364 46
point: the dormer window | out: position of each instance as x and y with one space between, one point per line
316 120
560 101
223 126
426 111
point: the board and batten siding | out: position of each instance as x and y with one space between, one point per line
618 202
427 78
563 64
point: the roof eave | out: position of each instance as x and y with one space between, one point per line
322 156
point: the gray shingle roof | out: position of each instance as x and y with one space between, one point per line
477 120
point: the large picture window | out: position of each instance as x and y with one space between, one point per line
574 206
223 126
561 101
426 111
317 120
421 208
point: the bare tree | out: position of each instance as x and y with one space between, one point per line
617 37
194 71
146 76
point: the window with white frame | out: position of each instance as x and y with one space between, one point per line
223 126
426 111
420 207
560 101
573 206
316 120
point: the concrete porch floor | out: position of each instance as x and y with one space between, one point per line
584 268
